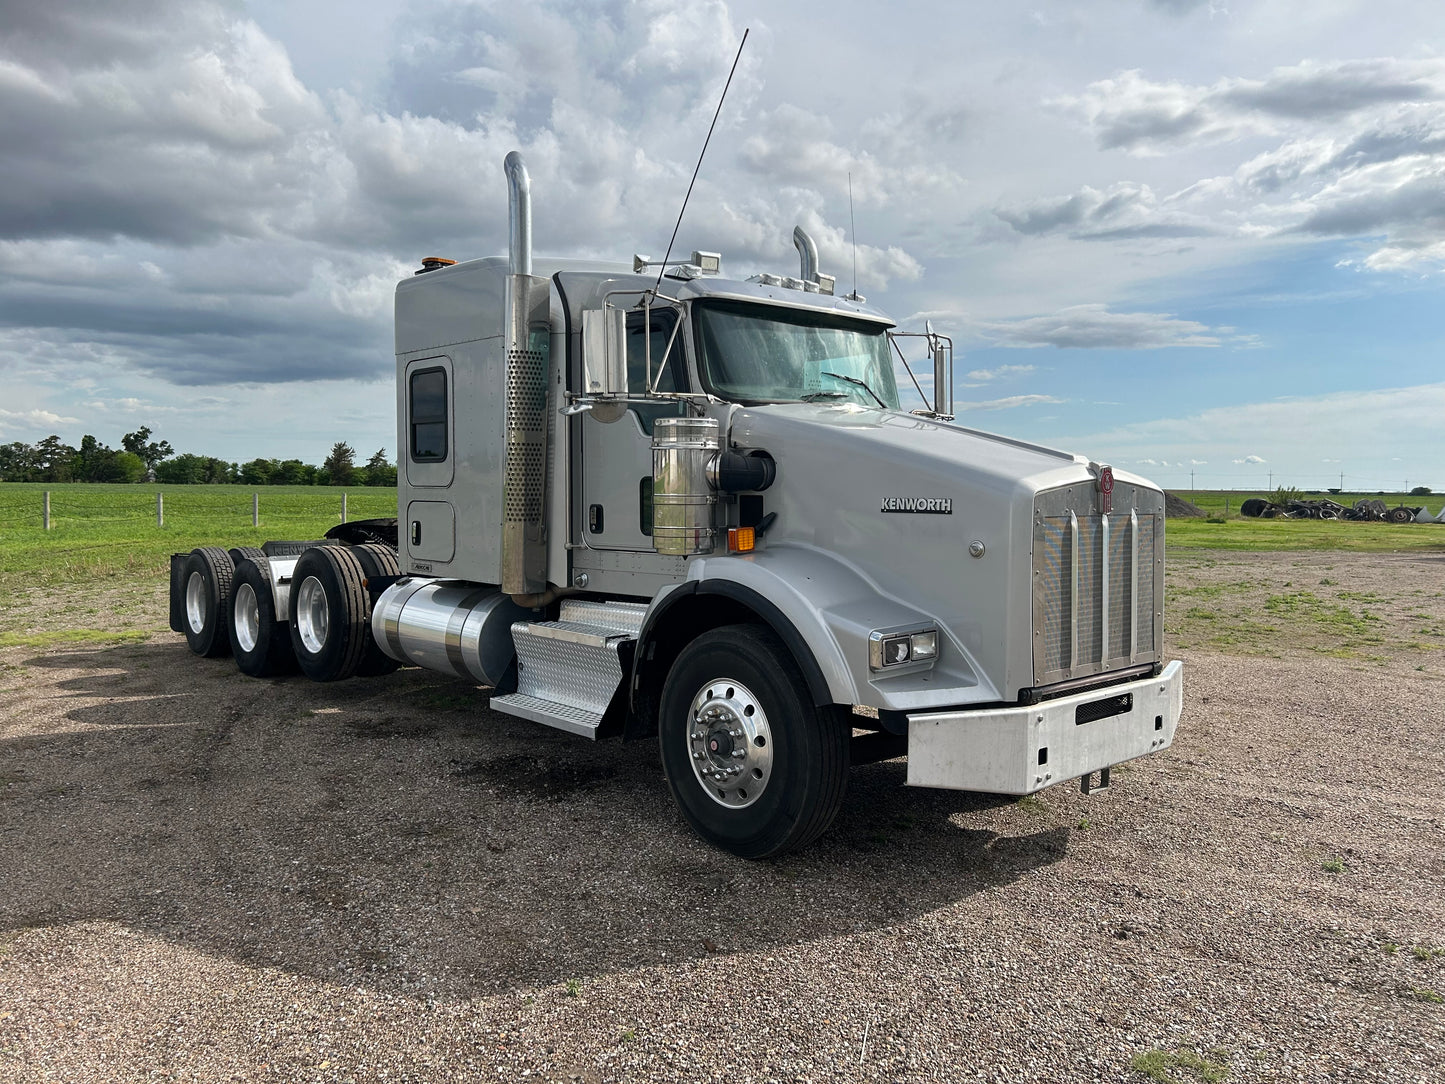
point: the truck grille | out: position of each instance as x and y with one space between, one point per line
1098 581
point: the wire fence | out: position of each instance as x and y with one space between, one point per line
27 506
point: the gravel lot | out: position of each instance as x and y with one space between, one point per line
206 877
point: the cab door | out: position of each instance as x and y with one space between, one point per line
616 459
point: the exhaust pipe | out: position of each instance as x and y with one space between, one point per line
519 215
807 254
526 327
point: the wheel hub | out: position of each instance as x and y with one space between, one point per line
313 616
197 602
730 743
248 617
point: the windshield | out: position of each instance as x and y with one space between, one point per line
769 354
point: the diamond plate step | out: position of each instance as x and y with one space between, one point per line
624 617
569 670
562 716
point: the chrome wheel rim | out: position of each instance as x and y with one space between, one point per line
729 743
197 602
313 616
248 618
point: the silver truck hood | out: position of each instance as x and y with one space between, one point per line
902 498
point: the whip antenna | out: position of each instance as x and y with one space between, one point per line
853 233
705 142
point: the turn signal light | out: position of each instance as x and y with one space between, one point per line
741 539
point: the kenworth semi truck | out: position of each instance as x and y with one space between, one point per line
656 502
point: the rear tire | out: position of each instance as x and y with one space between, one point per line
207 597
755 766
328 613
378 561
260 643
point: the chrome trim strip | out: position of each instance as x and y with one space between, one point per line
391 617
1104 589
590 637
453 639
1073 590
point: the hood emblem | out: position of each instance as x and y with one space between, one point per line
937 506
1104 483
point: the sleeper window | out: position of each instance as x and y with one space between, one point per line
429 415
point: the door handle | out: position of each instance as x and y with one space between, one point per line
416 532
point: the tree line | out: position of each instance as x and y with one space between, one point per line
140 459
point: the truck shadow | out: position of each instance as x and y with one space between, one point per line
394 833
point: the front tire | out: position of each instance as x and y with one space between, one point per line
755 767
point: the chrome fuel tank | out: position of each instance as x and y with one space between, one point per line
447 625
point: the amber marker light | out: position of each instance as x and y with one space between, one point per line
741 539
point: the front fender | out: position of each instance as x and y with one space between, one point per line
833 607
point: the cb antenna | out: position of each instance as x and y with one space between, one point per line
705 142
853 233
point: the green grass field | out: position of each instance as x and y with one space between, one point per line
100 531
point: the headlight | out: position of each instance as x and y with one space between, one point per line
889 649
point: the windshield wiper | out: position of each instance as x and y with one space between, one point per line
813 396
855 380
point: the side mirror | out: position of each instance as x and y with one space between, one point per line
604 352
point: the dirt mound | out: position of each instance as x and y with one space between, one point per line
1178 507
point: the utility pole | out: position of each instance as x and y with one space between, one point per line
1191 479
1342 481
1271 481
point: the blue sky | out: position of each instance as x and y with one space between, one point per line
1177 235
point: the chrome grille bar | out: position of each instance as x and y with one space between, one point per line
1104 589
1134 586
1073 590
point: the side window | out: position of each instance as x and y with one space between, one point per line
673 376
428 404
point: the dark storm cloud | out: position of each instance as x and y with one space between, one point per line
244 341
172 122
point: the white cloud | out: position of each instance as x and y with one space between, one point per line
34 418
1096 327
1001 372
1141 116
1376 424
1008 402
1123 211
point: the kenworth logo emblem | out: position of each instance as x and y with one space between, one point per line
938 506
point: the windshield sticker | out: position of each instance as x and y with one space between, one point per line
938 506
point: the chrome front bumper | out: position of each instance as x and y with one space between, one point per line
1025 749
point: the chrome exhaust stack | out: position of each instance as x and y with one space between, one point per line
526 326
807 254
519 215
814 281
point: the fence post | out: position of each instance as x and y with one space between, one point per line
160 509
255 509
343 508
47 509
